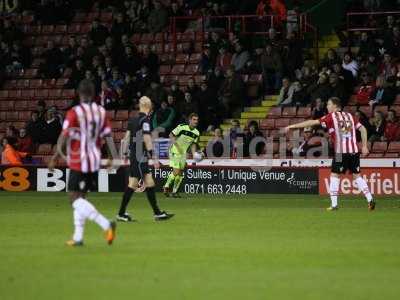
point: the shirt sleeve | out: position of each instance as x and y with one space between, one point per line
326 121
357 123
146 127
177 130
106 130
69 123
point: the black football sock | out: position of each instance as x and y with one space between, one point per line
125 200
151 196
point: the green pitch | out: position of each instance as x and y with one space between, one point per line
236 247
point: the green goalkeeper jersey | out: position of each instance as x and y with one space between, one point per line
185 138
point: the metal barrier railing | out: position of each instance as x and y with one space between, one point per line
353 18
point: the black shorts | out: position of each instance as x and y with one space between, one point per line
342 163
82 182
138 169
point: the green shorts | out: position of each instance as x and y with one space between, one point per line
177 161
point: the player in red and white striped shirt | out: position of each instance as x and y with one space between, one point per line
342 128
85 126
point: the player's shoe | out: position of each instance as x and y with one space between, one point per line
72 243
176 195
111 233
163 216
167 191
125 218
332 208
371 205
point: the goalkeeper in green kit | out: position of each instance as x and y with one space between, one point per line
183 137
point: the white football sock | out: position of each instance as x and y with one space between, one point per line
334 190
88 211
79 223
363 187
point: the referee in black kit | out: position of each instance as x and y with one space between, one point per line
140 142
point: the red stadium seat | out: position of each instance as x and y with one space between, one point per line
61 82
21 105
177 69
136 38
165 70
379 147
267 124
55 93
394 147
296 120
91 16
106 17
69 93
31 73
44 149
74 28
49 83
79 17
35 83
192 69
275 112
14 94
255 79
195 58
282 122
391 155
10 84
22 84
41 94
159 37
12 116
47 29
304 112
183 47
26 19
199 78
289 111
182 58
375 155
116 125
3 94
24 115
147 38
27 94
85 28
183 80
60 29
122 115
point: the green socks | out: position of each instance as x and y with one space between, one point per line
177 183
170 180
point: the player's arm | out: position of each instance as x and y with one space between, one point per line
125 143
60 149
308 123
148 144
364 139
173 136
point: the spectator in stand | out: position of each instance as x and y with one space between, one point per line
392 42
377 127
383 94
25 143
278 8
216 145
69 52
98 33
240 57
129 98
337 88
309 141
215 42
205 63
10 32
346 77
116 81
156 93
215 80
144 79
207 100
272 69
178 95
130 62
20 56
285 97
350 64
253 132
12 134
53 60
150 60
366 45
273 40
78 74
365 90
235 133
119 26
158 18
52 127
108 97
371 66
392 127
299 95
232 92
192 87
318 109
363 119
9 155
386 66
35 128
164 118
320 89
187 107
41 109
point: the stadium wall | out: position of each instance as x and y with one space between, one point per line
381 174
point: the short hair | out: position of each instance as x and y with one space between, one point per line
336 101
145 101
86 88
193 115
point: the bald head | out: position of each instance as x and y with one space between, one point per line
145 104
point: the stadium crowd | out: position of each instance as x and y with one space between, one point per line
124 71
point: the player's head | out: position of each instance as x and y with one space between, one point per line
86 90
334 104
145 105
193 120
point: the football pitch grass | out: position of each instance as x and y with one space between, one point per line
216 247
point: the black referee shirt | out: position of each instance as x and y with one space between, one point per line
138 126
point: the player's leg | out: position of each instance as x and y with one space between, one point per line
334 191
133 184
173 163
178 180
151 197
361 183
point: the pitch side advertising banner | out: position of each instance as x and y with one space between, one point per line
381 181
199 180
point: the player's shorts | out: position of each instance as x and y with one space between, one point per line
82 182
177 161
138 169
342 163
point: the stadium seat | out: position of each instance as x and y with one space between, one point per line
183 47
85 28
12 116
31 73
74 28
28 94
41 94
47 29
304 112
61 82
116 125
195 58
10 84
55 93
183 80
255 79
68 93
35 83
136 38
22 84
391 155
382 108
26 19
60 29
379 147
3 116
49 83
24 115
14 94
394 147
122 115
182 58
199 78
147 38
44 149
79 17
91 16
159 37
289 111
267 124
275 112
158 49
3 94
192 69
177 69
106 17
296 120
165 70
375 155
282 122
366 110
